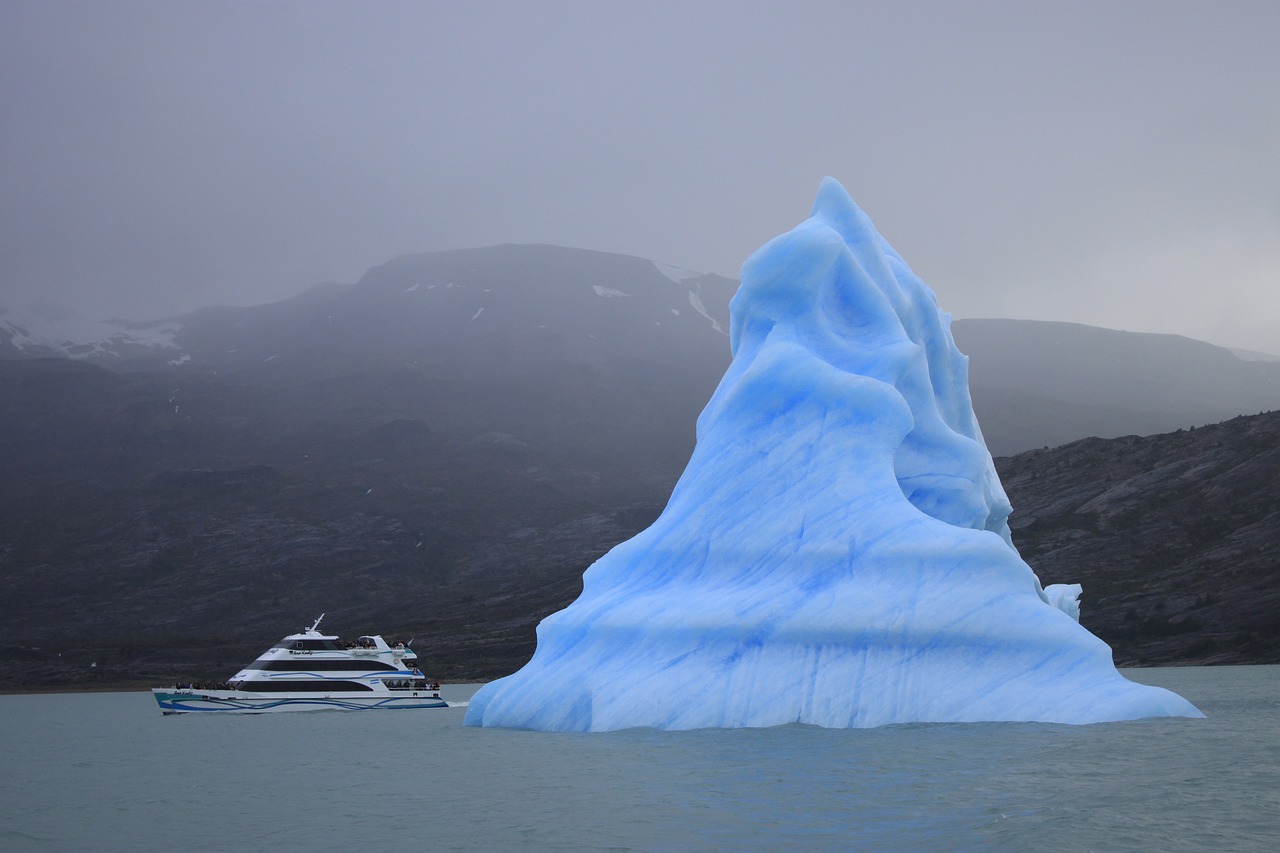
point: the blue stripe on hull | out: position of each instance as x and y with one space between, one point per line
180 703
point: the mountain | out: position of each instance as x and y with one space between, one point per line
439 449
543 300
1172 536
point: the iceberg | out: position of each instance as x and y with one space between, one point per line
837 551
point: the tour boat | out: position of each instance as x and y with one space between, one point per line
310 671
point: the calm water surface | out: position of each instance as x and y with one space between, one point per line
109 772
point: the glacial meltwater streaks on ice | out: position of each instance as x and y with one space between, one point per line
836 551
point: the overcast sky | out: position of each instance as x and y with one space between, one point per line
1113 163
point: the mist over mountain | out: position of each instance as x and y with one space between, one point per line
439 449
1041 384
495 313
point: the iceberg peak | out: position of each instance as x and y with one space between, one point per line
837 551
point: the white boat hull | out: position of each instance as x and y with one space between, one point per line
173 701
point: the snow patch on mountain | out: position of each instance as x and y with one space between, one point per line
695 299
71 336
679 276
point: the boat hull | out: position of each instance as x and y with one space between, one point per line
240 702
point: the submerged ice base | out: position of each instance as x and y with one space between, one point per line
837 551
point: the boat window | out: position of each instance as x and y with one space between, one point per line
302 686
314 645
317 664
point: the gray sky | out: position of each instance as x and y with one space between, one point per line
1113 163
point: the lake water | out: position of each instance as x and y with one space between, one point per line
109 772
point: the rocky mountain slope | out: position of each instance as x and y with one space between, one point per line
1174 537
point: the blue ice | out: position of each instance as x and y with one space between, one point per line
837 551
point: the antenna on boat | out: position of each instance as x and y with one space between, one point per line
316 624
